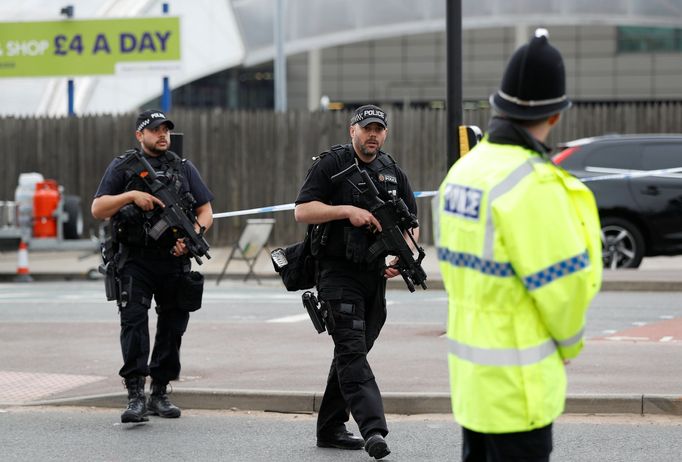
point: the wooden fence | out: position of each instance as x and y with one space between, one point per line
257 158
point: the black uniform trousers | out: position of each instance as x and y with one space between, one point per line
530 446
356 295
147 273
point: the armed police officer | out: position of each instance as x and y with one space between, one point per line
152 260
520 255
353 287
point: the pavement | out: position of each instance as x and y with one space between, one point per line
283 367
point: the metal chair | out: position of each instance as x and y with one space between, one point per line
251 243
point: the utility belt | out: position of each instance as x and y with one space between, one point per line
182 293
341 263
147 252
340 240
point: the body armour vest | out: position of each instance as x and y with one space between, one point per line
131 224
382 171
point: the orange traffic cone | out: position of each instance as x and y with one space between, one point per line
23 274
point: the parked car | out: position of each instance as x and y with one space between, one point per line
640 216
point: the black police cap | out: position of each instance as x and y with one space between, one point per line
534 82
152 118
365 115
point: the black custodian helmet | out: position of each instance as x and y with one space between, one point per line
534 82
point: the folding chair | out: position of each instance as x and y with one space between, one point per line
253 239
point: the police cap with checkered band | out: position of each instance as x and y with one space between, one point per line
534 82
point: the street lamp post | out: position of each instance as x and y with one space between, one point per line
453 25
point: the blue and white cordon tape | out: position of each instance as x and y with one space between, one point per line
611 176
279 208
615 174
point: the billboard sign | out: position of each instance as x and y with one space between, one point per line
70 48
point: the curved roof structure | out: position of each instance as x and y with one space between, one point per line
219 34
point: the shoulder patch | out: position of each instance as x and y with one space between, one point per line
463 201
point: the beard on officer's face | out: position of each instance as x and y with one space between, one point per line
370 147
153 147
369 151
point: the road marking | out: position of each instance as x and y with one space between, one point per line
667 338
639 323
294 318
16 295
251 298
667 316
618 338
52 301
609 331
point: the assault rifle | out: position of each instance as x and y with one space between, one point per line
395 219
177 213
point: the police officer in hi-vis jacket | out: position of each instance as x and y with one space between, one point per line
520 255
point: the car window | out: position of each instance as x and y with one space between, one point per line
623 156
662 155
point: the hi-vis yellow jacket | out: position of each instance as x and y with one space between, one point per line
520 255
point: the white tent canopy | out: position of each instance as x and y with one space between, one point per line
219 34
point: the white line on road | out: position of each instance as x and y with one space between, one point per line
53 301
294 318
624 338
16 295
667 338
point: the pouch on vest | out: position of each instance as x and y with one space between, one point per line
190 291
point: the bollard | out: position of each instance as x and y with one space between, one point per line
23 274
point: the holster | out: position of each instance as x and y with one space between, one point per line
110 281
317 313
125 291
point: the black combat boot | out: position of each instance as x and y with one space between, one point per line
341 439
159 404
136 410
376 446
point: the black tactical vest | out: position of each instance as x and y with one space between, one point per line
131 224
382 171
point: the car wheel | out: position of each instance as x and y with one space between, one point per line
622 244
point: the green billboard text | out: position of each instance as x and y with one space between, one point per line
86 47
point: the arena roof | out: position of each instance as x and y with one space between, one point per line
219 34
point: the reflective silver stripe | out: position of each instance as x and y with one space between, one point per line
518 174
530 103
569 342
502 356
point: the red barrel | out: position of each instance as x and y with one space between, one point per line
45 203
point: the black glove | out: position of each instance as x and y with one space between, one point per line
356 245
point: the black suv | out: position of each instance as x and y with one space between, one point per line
640 216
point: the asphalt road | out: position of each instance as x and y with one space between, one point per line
245 338
80 434
83 301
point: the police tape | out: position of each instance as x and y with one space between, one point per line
631 174
279 208
611 176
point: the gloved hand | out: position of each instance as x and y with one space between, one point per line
356 245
